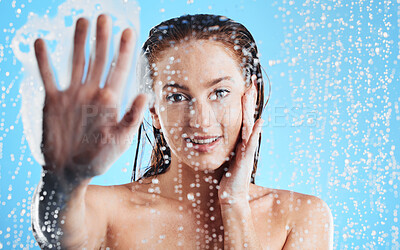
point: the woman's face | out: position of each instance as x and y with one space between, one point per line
198 87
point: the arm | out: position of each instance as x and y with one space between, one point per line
78 143
239 230
67 216
59 213
312 226
233 190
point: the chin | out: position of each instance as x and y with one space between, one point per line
211 165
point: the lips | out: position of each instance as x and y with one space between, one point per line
203 140
204 143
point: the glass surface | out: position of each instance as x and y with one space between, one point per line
332 124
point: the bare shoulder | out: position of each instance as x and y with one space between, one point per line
109 195
308 219
107 204
99 193
311 223
99 200
104 200
306 208
296 205
104 206
118 197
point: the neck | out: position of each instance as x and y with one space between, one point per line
190 186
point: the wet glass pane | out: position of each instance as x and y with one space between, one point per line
330 76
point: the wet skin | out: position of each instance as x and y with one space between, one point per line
193 205
129 217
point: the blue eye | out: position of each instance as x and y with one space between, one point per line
219 94
173 97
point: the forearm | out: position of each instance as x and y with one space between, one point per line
239 230
58 211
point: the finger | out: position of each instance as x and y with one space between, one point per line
119 73
133 117
102 41
245 153
255 86
253 140
44 67
89 69
248 113
78 58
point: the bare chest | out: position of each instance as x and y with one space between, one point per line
177 228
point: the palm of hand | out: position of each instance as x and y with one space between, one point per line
81 131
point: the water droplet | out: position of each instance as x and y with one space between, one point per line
190 196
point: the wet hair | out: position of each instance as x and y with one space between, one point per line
231 35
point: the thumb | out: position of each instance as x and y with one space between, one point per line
133 117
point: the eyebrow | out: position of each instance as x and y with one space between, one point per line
209 84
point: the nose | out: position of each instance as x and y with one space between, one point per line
200 115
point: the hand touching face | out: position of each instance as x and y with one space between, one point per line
199 87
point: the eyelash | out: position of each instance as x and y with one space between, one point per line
170 97
221 91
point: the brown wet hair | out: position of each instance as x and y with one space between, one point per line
233 36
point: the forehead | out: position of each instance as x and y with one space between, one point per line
198 58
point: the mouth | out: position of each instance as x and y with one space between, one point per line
203 143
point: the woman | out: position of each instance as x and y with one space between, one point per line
207 86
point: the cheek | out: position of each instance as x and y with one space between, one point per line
230 114
173 123
231 121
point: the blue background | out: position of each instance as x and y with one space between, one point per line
332 123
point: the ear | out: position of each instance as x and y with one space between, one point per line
155 118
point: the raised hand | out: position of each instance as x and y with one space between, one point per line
82 136
234 185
